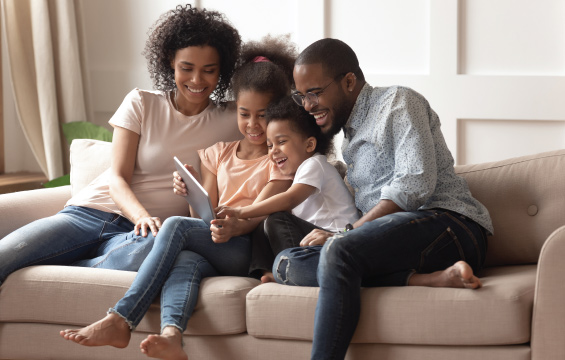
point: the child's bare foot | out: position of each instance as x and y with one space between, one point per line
267 277
167 346
460 275
112 330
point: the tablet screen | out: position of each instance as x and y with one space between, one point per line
197 196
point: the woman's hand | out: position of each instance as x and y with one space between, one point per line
316 237
147 222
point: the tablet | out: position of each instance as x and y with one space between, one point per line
197 197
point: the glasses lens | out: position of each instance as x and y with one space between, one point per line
299 99
312 98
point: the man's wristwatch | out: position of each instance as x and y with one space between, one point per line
348 227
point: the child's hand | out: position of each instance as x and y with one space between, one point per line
223 229
179 187
223 211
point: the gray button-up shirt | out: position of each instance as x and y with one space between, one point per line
395 150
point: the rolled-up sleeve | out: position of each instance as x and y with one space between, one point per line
415 169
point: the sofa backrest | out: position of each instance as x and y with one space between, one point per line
525 196
526 200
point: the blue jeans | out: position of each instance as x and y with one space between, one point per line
71 236
182 255
383 252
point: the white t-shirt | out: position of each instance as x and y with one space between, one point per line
332 206
163 133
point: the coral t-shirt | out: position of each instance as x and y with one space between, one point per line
163 133
239 181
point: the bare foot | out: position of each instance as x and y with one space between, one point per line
112 330
460 275
167 346
267 277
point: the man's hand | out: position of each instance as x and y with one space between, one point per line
316 237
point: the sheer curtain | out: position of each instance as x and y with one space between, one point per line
47 79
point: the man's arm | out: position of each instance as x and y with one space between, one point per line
383 208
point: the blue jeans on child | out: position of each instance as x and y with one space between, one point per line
384 252
182 255
71 236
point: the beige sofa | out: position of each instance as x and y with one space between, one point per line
518 314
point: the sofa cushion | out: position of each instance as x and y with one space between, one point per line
526 205
497 314
89 158
75 296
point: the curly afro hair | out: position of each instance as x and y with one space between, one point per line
186 26
273 76
300 122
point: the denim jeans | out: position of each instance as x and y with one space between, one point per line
71 236
280 231
383 252
182 255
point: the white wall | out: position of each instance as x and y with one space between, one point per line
494 71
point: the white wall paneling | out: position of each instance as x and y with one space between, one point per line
512 37
488 68
520 137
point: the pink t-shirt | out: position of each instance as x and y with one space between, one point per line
163 133
239 181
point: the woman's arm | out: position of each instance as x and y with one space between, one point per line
124 153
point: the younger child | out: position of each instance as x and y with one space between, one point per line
187 249
318 197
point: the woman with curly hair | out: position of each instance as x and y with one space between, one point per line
191 57
186 249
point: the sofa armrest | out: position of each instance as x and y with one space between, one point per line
548 323
20 208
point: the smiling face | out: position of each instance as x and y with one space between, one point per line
334 106
287 147
197 71
251 106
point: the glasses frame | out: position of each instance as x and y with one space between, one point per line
312 98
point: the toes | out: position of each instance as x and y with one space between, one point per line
68 333
473 283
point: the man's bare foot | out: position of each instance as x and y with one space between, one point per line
460 275
267 277
167 346
112 330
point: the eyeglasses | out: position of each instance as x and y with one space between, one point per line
310 96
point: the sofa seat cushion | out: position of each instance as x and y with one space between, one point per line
75 296
497 314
